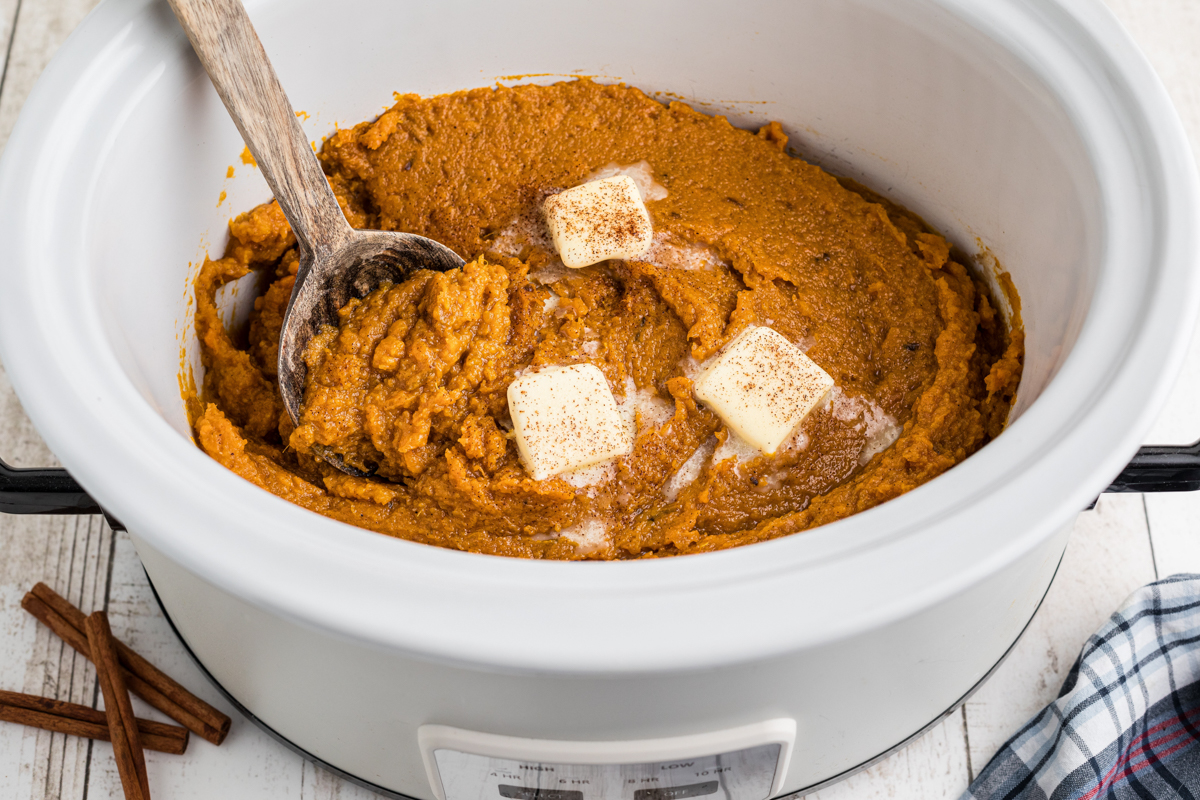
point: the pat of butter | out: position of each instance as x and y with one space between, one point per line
762 387
566 418
599 220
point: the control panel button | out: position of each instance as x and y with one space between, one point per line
532 793
678 792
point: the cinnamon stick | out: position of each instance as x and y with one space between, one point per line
75 637
76 720
126 740
143 678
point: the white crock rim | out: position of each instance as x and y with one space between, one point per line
465 608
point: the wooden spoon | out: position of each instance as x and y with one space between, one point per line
336 261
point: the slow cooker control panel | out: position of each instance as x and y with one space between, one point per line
745 763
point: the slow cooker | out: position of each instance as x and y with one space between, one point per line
1033 134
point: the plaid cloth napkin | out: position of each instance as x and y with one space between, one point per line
1127 721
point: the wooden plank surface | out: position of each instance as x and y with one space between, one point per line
1124 543
72 554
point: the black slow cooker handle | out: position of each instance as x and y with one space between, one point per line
1161 468
43 490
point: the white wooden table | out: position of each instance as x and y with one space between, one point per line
1127 541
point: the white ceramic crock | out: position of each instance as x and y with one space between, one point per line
1034 130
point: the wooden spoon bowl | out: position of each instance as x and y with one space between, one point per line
336 261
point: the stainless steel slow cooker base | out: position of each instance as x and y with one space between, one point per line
366 784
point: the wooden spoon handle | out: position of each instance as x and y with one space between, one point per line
228 47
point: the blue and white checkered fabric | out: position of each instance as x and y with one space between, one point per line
1127 721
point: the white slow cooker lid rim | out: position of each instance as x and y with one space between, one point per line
66 446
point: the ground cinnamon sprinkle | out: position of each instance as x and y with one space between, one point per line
611 224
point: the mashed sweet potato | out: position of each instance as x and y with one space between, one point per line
413 384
